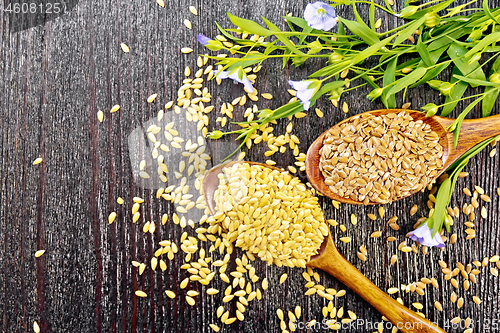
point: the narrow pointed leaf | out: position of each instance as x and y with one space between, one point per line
283 39
249 25
407 80
408 31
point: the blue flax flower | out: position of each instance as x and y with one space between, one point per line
320 15
423 235
239 76
305 91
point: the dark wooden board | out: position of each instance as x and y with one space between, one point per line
56 76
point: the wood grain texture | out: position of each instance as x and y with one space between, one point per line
331 261
55 77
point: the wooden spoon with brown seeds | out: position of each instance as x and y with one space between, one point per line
331 261
472 132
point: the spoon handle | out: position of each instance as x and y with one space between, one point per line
407 321
472 132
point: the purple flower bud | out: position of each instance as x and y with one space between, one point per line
203 40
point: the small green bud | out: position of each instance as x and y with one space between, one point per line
336 93
475 34
215 135
314 47
446 88
474 58
335 58
264 113
435 83
375 93
431 109
495 78
452 127
214 45
432 19
408 11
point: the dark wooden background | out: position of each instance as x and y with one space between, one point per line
56 76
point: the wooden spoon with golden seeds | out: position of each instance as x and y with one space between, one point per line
331 261
473 131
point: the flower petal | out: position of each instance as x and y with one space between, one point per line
300 85
423 235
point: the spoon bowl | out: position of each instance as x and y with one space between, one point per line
472 132
331 261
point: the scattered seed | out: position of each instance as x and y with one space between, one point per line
115 108
112 217
391 291
193 10
140 293
100 116
39 253
170 293
190 300
37 161
186 50
36 328
125 48
152 98
188 24
283 278
438 306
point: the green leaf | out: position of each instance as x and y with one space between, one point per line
456 53
371 15
361 30
442 200
283 39
249 25
286 57
457 93
297 21
424 54
388 6
488 12
475 82
431 73
490 97
341 31
287 110
495 68
407 80
368 52
461 117
329 87
389 77
491 38
408 31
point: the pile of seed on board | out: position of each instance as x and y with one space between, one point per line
269 213
379 159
